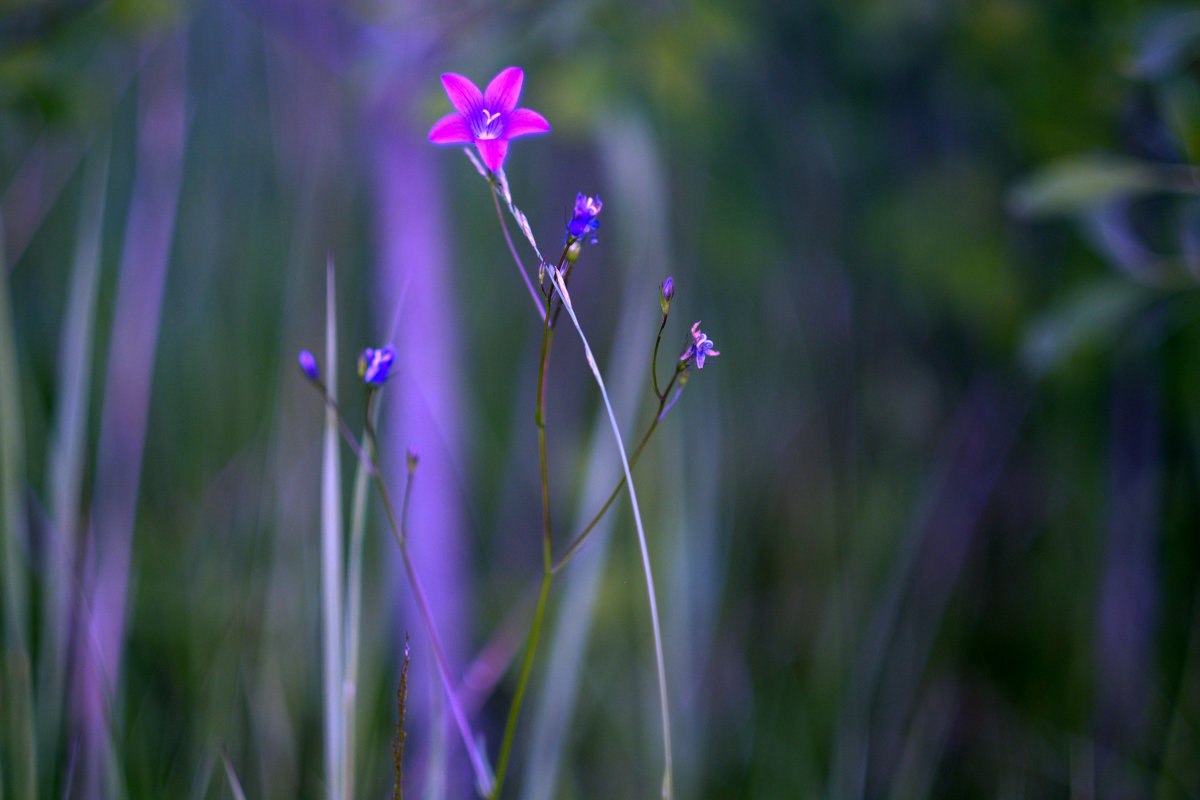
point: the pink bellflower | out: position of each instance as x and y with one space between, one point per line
487 119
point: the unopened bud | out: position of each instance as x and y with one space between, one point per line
665 295
308 365
574 250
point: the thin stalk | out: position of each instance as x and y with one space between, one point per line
537 299
478 762
18 742
331 559
667 789
654 364
354 569
578 542
483 776
235 785
514 710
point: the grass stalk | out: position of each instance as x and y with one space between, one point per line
19 742
66 457
235 785
667 789
331 559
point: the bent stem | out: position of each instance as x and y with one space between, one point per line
560 286
514 710
537 299
654 365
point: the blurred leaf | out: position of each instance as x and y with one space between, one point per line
1180 102
1169 41
1189 235
1090 316
1081 182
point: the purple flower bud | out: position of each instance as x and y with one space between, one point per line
308 365
584 222
413 456
373 365
668 291
700 348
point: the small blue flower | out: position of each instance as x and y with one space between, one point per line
700 348
584 222
308 365
373 365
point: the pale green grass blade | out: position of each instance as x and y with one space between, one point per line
18 757
331 557
235 785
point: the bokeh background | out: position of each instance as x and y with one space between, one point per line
927 527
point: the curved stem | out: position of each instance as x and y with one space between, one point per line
578 541
654 362
660 661
537 300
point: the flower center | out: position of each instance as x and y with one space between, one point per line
487 125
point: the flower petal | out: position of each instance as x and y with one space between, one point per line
451 129
524 121
502 93
493 151
463 93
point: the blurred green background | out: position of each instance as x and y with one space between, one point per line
927 527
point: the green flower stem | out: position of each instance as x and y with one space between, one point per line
654 366
514 711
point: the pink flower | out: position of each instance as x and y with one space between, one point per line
487 119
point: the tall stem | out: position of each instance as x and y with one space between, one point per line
510 726
331 560
656 627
